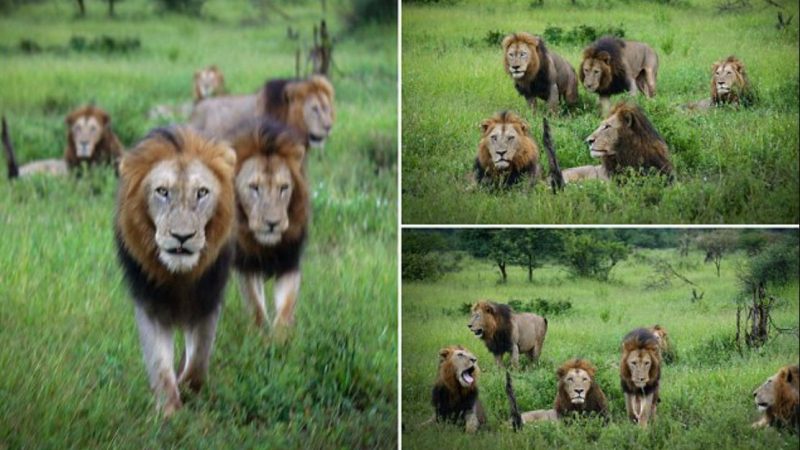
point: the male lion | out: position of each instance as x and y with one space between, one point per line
305 105
640 373
613 66
668 354
537 72
779 400
272 200
207 82
506 151
455 392
729 86
90 141
503 331
175 215
578 394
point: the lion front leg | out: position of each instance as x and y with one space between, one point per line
646 410
515 356
158 352
287 287
650 78
472 421
632 88
251 285
199 344
532 105
629 407
605 105
761 423
552 99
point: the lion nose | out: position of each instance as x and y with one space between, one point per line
579 391
474 360
183 237
327 127
515 67
272 225
754 394
499 153
589 140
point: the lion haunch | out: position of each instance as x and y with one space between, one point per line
272 203
504 331
506 151
538 72
455 392
640 375
175 215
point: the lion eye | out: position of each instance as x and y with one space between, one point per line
202 192
284 188
315 108
494 138
596 71
569 379
634 363
162 192
255 187
511 138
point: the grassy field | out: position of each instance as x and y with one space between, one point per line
731 166
706 393
71 371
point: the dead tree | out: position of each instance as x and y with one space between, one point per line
11 161
321 54
556 176
81 8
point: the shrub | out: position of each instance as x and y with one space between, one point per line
581 34
190 7
588 255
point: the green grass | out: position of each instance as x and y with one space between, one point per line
72 374
706 394
731 166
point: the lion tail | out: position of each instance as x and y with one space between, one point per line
556 177
516 419
11 160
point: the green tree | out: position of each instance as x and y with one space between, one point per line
716 244
533 246
591 253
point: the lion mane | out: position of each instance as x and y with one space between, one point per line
524 162
595 398
283 100
453 401
504 331
108 149
639 144
610 50
784 413
640 339
269 138
741 92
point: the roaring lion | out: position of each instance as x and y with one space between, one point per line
272 200
613 66
504 331
305 105
779 400
90 141
640 374
455 392
578 394
627 139
506 151
175 216
538 72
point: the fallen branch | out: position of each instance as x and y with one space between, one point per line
11 161
556 177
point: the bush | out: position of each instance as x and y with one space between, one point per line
777 264
541 306
590 256
581 34
367 11
418 267
190 7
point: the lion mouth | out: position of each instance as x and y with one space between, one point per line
722 90
762 406
467 376
501 163
517 74
316 140
579 400
478 332
179 251
267 237
596 153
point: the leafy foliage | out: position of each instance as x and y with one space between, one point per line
580 34
589 255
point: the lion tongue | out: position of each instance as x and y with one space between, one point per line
468 378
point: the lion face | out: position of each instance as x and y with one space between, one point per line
181 200
518 58
264 186
604 140
577 383
208 82
727 76
765 396
85 132
503 143
463 363
318 115
639 363
596 72
482 319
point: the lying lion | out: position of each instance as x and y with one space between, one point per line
729 86
779 400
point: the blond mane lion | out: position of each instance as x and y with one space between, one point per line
272 201
90 141
730 84
779 400
578 394
640 375
208 82
504 331
455 391
175 215
612 66
506 151
538 72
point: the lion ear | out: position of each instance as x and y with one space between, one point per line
789 376
507 41
488 307
123 166
485 125
525 128
229 156
561 372
444 354
605 57
627 118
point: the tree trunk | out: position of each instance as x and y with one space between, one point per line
718 262
502 266
81 8
530 268
110 8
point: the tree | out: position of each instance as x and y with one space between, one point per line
110 8
81 8
589 253
496 245
534 246
716 244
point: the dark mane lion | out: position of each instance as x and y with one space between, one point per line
640 375
455 392
609 50
779 400
730 84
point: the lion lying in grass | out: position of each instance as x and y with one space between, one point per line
779 400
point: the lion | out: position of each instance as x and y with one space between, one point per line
627 139
640 374
504 331
578 394
668 354
175 215
207 82
779 400
90 141
730 85
455 392
506 151
305 105
613 66
538 72
272 200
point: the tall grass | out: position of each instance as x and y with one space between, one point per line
706 399
732 166
71 373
